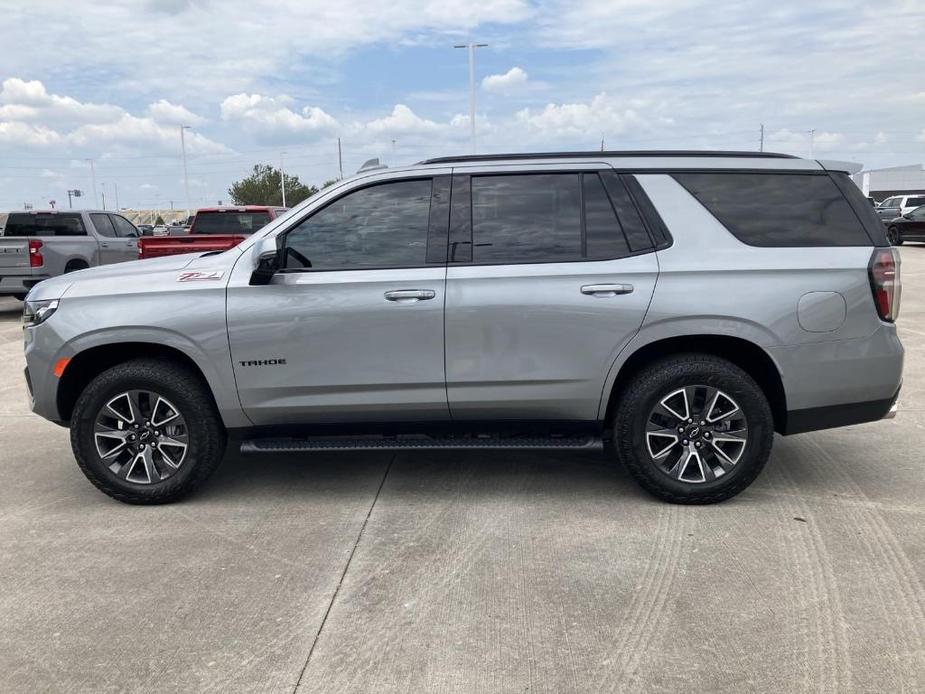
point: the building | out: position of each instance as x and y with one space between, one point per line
895 180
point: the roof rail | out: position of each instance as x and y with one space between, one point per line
616 153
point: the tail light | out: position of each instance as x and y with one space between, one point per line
35 254
885 283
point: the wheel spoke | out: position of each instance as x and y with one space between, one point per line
163 409
123 408
110 443
172 450
678 397
660 442
721 407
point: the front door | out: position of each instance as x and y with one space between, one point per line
112 248
352 328
128 236
554 286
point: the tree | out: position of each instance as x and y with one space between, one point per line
262 188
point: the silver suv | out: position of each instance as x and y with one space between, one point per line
673 309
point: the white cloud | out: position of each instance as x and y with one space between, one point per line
402 120
510 80
163 111
30 116
603 114
23 100
269 116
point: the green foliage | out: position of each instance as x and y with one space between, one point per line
159 221
262 187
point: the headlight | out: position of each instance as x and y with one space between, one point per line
36 312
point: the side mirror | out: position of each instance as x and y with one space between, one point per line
268 261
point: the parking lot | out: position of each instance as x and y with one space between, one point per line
464 572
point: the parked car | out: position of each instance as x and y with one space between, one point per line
674 309
36 245
909 227
213 229
146 229
898 205
159 230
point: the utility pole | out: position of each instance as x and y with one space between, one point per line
185 176
93 181
103 186
340 160
116 187
602 142
471 46
282 177
761 139
812 144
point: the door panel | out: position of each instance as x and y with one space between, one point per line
127 237
350 353
525 342
352 329
111 247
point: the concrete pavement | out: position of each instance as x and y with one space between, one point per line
470 572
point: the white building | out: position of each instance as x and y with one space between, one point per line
882 183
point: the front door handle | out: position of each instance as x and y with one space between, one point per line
410 296
104 245
606 289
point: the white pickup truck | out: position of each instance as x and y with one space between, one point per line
36 245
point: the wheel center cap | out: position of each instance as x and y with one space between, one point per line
694 432
145 435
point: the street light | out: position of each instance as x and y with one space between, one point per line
471 46
282 177
75 193
185 175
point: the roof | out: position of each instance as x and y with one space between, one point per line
610 153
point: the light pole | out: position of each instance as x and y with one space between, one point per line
103 186
93 181
75 193
185 175
282 177
471 46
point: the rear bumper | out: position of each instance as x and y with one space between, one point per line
19 284
831 416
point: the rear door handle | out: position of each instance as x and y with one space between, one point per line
104 245
410 296
606 289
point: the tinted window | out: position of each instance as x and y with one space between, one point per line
381 226
918 213
915 202
890 202
632 223
528 218
61 224
230 222
103 224
770 209
123 226
604 235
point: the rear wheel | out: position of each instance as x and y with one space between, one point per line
21 297
147 432
693 429
74 265
894 235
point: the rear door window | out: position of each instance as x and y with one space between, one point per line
915 202
124 228
549 218
58 224
778 209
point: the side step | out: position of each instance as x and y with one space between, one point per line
419 443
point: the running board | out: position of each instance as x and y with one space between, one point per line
419 443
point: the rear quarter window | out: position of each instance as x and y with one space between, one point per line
778 209
61 224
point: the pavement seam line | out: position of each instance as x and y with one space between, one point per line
343 575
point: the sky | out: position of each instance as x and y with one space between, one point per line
112 81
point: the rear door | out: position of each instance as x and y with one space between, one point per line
550 275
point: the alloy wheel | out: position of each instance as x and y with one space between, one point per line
696 434
141 437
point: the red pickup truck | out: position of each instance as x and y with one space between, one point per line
213 229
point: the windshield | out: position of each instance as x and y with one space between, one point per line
230 222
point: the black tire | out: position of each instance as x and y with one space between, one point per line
186 390
655 382
895 236
74 265
20 297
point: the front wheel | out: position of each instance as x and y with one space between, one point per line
894 236
693 429
147 431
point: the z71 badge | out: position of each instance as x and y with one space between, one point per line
198 276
